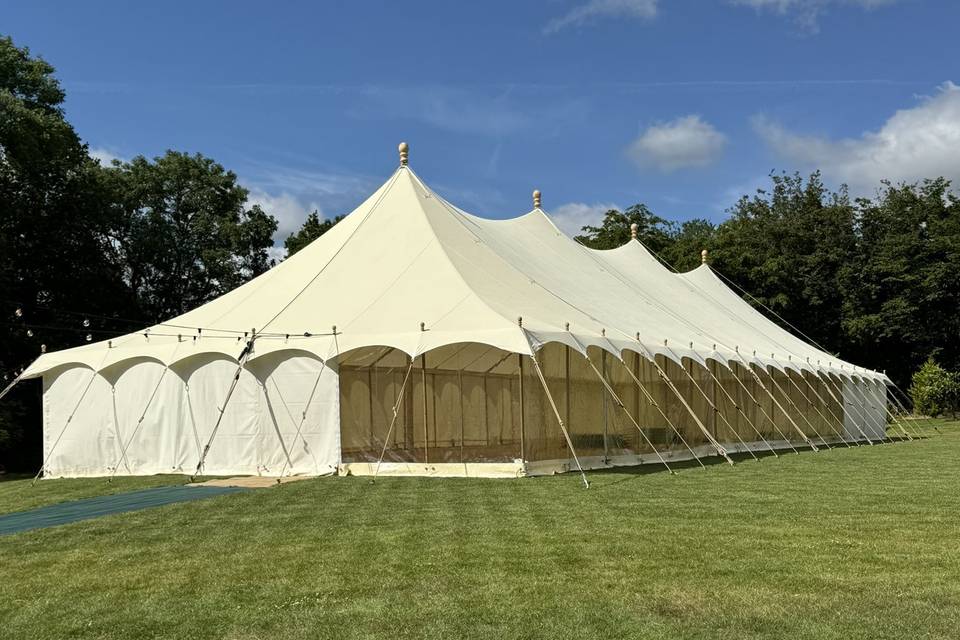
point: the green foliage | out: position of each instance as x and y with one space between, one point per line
184 234
614 231
935 391
141 240
313 227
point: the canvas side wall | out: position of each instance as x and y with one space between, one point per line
257 436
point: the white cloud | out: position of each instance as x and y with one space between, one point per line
583 13
289 211
105 156
573 216
807 12
688 141
921 142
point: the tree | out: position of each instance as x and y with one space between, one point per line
693 236
787 248
186 234
935 391
652 230
903 284
53 252
313 227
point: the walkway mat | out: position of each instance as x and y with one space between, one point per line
66 512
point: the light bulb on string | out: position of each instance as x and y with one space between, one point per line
18 312
43 348
86 323
29 333
89 337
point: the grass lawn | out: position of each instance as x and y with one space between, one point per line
859 543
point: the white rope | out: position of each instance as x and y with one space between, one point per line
815 408
736 405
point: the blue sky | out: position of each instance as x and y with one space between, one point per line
681 104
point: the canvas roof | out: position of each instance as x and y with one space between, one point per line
408 270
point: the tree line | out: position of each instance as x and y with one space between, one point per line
89 251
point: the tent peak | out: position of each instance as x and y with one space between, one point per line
404 150
536 198
633 231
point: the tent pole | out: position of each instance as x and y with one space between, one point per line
136 429
902 425
887 411
830 386
393 420
663 376
713 407
46 458
928 419
736 405
233 385
903 409
872 421
796 408
656 405
776 402
619 403
826 385
426 422
762 410
606 446
817 409
556 412
303 416
523 442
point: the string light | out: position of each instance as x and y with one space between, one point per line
89 337
29 333
86 323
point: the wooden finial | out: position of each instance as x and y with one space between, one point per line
536 198
633 231
703 256
404 149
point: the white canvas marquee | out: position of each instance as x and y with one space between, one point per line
449 344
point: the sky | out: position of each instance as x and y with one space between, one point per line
684 105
